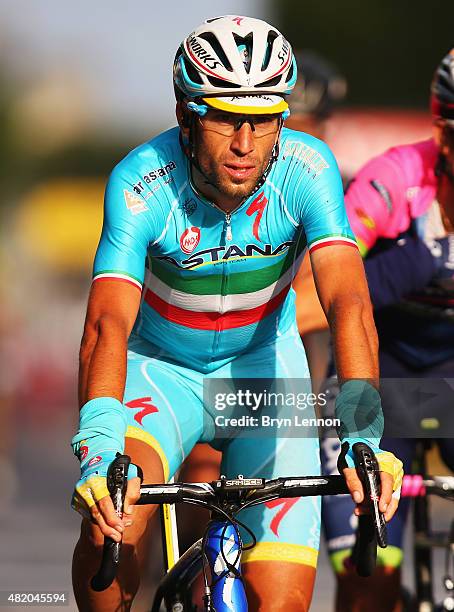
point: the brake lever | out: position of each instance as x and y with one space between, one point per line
369 473
117 482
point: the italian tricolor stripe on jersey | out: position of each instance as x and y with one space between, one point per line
215 321
222 301
216 301
111 274
330 240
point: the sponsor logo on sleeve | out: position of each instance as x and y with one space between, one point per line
307 155
134 203
152 175
189 239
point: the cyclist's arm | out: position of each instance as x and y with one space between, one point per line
336 264
342 290
118 274
113 304
341 285
309 313
112 310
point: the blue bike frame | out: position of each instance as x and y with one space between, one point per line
227 589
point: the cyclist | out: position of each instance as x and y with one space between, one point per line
319 88
401 207
203 229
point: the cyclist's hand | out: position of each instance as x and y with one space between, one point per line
92 500
391 475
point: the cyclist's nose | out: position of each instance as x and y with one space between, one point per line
243 140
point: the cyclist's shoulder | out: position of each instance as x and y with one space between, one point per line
400 176
158 158
412 163
417 158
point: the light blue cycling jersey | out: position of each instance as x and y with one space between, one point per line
215 285
217 303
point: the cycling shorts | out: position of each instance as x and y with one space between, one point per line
164 400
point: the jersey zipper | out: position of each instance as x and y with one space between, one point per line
228 219
229 238
228 215
228 229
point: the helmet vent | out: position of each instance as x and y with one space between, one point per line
192 72
270 82
221 83
217 48
245 47
289 74
272 35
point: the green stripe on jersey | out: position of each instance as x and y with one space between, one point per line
237 282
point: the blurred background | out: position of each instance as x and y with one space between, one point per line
80 85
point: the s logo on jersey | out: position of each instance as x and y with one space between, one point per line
257 206
94 460
287 504
189 239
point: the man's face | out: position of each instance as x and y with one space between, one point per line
232 155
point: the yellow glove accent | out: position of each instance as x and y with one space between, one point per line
390 464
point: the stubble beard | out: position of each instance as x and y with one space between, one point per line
227 185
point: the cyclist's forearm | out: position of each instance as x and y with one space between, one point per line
354 338
102 371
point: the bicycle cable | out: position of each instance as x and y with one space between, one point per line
229 566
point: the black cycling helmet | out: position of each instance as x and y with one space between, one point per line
319 86
442 91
